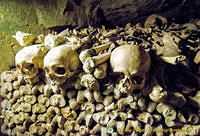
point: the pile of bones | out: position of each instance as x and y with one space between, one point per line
138 80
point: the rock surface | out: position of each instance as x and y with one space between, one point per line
36 17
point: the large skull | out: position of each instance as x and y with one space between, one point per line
29 59
60 63
134 63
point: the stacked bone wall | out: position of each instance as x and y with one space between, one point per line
86 103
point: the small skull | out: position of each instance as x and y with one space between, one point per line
156 21
60 63
29 59
134 63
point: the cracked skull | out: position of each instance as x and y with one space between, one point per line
134 63
60 63
30 59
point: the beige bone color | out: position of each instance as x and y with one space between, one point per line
60 63
134 63
29 59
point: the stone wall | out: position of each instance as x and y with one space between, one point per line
38 16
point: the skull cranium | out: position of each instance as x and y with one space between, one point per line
134 63
156 21
60 63
29 59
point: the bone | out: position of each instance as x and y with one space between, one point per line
173 123
73 104
107 100
93 51
52 111
120 126
31 99
24 39
51 40
126 59
100 71
16 107
110 107
104 119
25 89
22 128
27 107
166 110
43 118
9 76
84 94
99 128
99 107
60 132
158 94
68 113
60 63
97 96
71 125
57 100
38 108
191 129
147 130
92 62
44 100
117 93
39 39
113 114
29 60
90 82
123 102
6 89
5 130
180 117
151 106
193 118
133 124
157 117
96 129
19 118
60 121
83 130
146 118
88 107
5 105
158 129
77 42
88 120
142 103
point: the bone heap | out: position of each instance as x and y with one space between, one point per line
137 80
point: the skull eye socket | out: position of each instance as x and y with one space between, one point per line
60 71
137 79
28 66
159 22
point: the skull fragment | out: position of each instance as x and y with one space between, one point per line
60 63
134 63
30 59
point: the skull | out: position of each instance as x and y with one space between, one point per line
29 59
60 63
156 21
134 63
